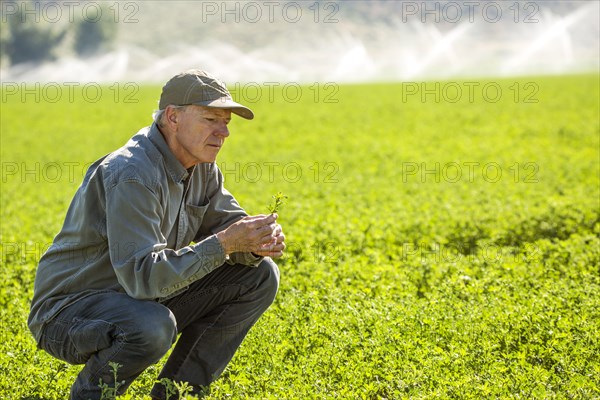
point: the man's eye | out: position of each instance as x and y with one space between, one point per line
214 119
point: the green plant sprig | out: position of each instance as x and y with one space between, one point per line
279 200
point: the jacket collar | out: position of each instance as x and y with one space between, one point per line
177 172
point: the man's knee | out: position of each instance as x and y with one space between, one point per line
269 285
154 330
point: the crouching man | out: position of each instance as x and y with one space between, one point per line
154 247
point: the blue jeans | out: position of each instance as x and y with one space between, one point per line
213 316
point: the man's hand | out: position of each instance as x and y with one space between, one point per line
258 234
276 246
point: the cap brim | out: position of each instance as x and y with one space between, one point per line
229 104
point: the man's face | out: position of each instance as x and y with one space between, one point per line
199 134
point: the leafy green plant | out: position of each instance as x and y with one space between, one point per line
175 390
111 392
279 200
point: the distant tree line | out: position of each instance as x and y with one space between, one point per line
28 34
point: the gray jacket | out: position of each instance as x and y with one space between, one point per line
140 223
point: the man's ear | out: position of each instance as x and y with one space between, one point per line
171 114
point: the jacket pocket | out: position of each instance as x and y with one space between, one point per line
195 216
91 336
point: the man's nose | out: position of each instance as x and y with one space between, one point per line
223 130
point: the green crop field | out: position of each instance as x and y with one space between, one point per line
443 238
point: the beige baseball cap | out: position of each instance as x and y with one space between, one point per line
201 88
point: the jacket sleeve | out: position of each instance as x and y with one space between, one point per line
144 266
224 210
